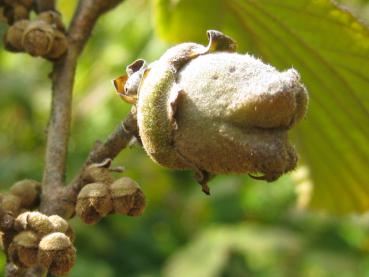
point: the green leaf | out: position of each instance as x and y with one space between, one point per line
330 48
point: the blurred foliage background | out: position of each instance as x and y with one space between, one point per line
246 227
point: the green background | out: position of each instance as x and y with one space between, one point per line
246 227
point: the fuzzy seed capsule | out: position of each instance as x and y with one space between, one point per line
127 196
28 191
56 253
93 203
24 248
215 111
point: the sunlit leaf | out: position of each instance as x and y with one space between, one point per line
330 48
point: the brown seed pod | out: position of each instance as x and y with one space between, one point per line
34 221
62 226
11 204
28 191
59 47
93 203
38 38
56 253
14 34
24 248
127 196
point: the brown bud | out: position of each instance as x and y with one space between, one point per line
53 18
93 203
60 46
57 253
62 226
11 204
38 38
13 36
20 12
34 221
97 174
26 3
128 197
28 191
23 249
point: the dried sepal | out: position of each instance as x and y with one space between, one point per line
34 221
127 196
23 249
93 203
28 191
57 253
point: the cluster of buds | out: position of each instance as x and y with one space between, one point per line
24 195
43 37
15 10
98 199
42 240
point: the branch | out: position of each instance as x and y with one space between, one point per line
114 144
86 15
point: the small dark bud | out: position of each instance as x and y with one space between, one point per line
128 198
34 221
13 36
93 203
28 191
38 38
57 253
23 249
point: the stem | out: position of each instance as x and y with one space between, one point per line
85 17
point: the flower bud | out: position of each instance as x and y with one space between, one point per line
28 191
127 196
23 249
62 226
34 221
14 34
38 38
20 12
97 174
93 203
56 253
53 18
59 47
11 204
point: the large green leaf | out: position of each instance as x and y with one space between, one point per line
330 48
